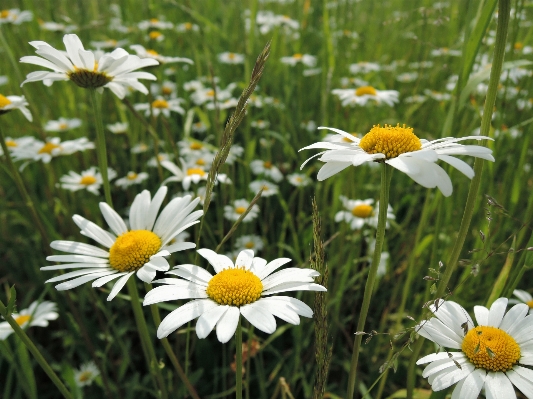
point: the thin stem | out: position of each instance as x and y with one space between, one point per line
101 146
34 351
386 174
238 361
153 364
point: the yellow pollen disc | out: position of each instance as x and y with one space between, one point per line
154 20
11 143
249 245
133 249
530 303
240 210
63 126
200 162
362 211
4 13
131 176
234 287
22 319
152 52
187 25
267 165
297 56
88 180
210 93
196 146
231 56
154 35
491 349
160 104
4 101
48 148
195 171
167 91
85 376
368 90
518 46
390 141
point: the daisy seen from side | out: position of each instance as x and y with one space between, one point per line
9 103
37 314
139 249
243 288
365 94
131 179
399 147
523 297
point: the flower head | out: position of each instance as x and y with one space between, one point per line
139 249
243 288
234 212
86 374
62 125
10 103
490 356
89 180
37 314
523 297
362 95
87 69
361 212
131 178
399 147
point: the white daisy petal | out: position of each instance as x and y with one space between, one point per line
113 219
198 272
498 386
272 267
331 168
155 205
514 316
451 376
172 293
279 309
470 387
227 324
208 320
244 259
294 286
76 273
260 317
79 248
82 280
76 258
179 246
104 280
522 378
118 286
458 164
183 315
482 315
95 232
146 274
439 356
218 263
496 312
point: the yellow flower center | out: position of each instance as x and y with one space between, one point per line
85 376
362 211
11 143
131 176
365 90
210 93
48 148
133 249
297 56
491 349
167 91
200 162
196 146
160 104
88 180
89 79
240 210
154 35
234 287
267 165
152 53
195 171
154 20
4 101
518 46
249 245
530 303
22 319
4 13
187 25
63 126
390 141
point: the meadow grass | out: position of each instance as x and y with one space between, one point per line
296 361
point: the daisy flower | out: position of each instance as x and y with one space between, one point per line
305 59
10 103
38 314
361 212
155 23
299 179
364 67
251 241
402 149
161 106
187 27
364 94
231 58
86 374
167 88
62 125
162 156
156 36
260 124
140 249
53 147
269 188
523 297
266 168
131 179
186 175
154 55
491 356
118 127
56 27
89 180
87 69
234 212
140 148
243 288
15 16
199 127
20 142
109 43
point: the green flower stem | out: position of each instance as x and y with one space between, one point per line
34 351
175 362
22 190
504 7
101 145
153 364
386 174
238 361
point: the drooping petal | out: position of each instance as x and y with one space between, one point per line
260 317
184 314
208 320
119 285
227 324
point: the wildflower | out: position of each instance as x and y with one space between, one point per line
269 188
140 148
523 297
53 147
305 59
234 212
131 179
155 23
89 180
402 149
260 124
109 43
231 58
37 314
3 80
187 27
243 288
167 88
140 249
438 96
235 152
445 51
309 125
491 356
407 77
162 156
202 94
364 67
251 241
15 16
18 143
186 175
156 36
361 212
86 374
84 68
161 106
266 168
299 179
10 103
362 95
154 55
56 27
118 127
199 127
62 125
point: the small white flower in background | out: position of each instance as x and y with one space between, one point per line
191 148
364 67
199 127
437 96
267 169
167 88
269 188
416 99
62 125
19 142
445 51
231 58
365 94
523 297
155 36
299 179
203 94
161 106
162 156
305 59
155 23
141 249
154 55
346 82
226 104
3 80
312 71
10 103
187 174
243 288
118 127
260 124
310 125
403 150
187 27
110 43
57 27
140 148
87 69
131 179
491 356
37 314
421 65
91 180
361 212
15 16
407 77
234 212
250 241
86 374
235 152
53 147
